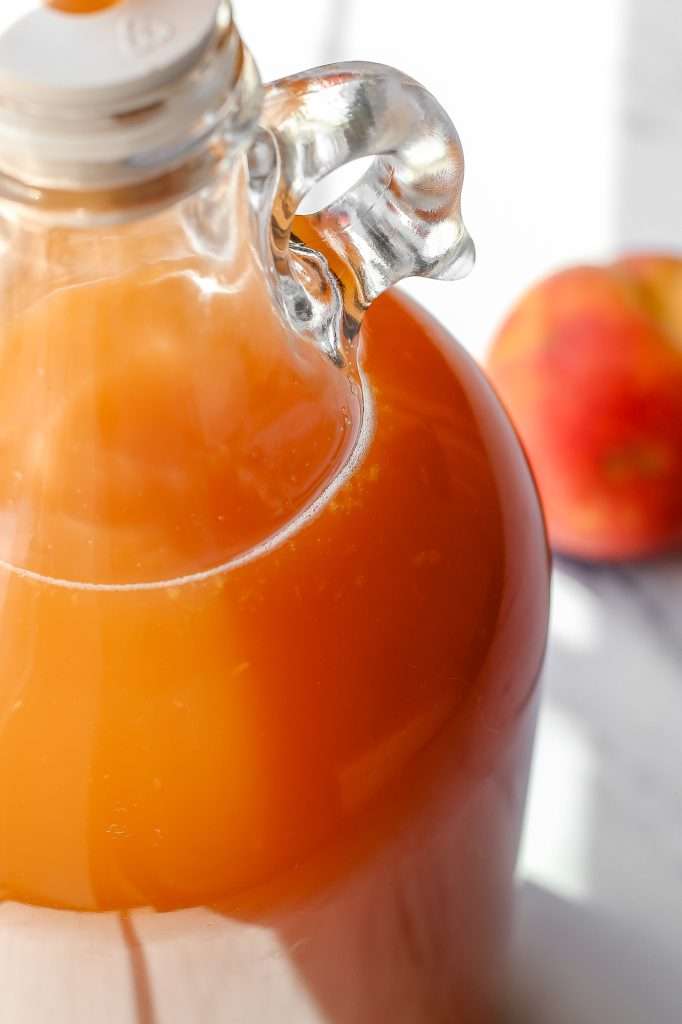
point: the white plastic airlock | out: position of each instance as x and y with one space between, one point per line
115 53
119 95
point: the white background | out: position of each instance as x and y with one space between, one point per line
569 113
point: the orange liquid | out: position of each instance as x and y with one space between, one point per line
196 740
80 6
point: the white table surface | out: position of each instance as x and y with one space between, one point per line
571 122
600 922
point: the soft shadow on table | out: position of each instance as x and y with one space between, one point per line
614 670
614 677
575 966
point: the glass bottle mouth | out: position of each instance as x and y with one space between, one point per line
101 144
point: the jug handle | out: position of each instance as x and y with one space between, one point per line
401 219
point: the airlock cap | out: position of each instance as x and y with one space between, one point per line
116 53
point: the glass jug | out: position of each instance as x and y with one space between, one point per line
273 575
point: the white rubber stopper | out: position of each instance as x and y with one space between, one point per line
114 54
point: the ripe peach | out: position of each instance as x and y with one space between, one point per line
589 365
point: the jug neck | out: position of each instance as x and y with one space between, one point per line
102 144
209 233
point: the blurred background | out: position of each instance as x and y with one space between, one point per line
571 122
